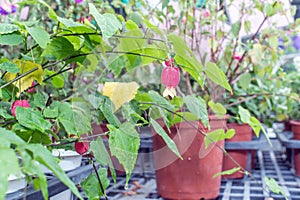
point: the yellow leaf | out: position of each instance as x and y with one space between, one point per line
120 93
25 82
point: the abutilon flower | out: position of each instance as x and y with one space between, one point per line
22 103
170 78
206 13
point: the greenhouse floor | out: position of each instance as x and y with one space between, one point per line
268 163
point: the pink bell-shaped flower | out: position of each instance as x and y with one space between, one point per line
170 78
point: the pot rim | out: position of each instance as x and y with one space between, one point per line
295 122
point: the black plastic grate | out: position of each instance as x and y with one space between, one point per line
268 163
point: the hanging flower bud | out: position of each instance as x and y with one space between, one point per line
82 147
237 57
31 90
170 78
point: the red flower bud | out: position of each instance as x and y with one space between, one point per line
82 147
22 103
237 57
31 89
170 77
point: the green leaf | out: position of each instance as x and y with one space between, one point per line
99 150
73 120
197 106
31 136
245 81
32 167
116 64
3 186
273 41
8 165
57 81
11 137
81 120
217 76
153 51
107 109
39 34
59 48
39 100
91 185
269 9
32 119
5 110
131 115
159 100
131 25
247 26
109 23
244 115
274 187
164 4
213 137
235 28
124 143
96 100
227 172
45 157
6 28
69 23
180 115
170 143
186 58
129 43
51 112
229 133
11 39
10 67
256 53
52 14
217 108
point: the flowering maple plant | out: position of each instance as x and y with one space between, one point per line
80 75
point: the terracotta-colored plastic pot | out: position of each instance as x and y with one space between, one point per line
243 133
296 131
192 177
